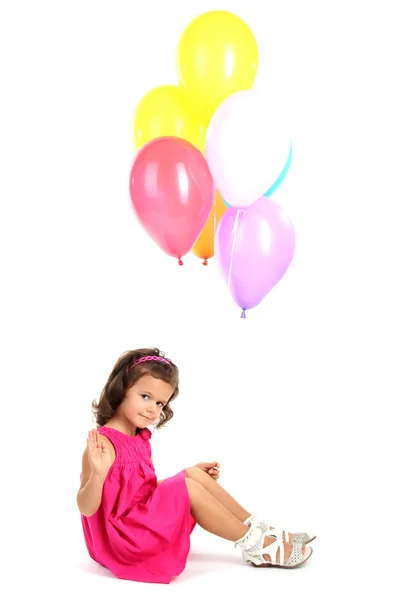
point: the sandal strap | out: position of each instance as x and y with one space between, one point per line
253 537
272 531
272 551
302 538
280 534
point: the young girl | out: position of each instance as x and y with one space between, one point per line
139 528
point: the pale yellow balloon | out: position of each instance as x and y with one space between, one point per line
166 111
217 55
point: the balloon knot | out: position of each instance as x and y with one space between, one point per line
205 262
180 263
243 315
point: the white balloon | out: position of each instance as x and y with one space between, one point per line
247 146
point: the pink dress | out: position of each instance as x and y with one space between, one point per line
141 530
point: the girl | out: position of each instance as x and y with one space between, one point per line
139 528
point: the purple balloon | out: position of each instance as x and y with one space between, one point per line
263 241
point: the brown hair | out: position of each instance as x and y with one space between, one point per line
121 379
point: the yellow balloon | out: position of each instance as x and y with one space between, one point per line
204 246
164 111
217 56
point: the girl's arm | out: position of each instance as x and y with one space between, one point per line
97 459
90 492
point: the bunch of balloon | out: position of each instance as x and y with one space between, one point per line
212 132
170 184
246 146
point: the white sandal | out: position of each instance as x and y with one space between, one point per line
253 549
280 534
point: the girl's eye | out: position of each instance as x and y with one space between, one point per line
145 396
161 404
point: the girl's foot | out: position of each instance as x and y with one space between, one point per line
267 551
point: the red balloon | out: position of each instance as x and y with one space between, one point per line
172 193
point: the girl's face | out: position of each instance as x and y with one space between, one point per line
144 401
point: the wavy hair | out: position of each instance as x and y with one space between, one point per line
122 377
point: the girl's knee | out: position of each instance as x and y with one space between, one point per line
196 473
193 486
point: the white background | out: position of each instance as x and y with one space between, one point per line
297 402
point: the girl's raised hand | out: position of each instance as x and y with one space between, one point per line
99 456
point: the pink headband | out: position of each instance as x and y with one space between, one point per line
146 358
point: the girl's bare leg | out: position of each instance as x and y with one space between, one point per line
218 492
212 516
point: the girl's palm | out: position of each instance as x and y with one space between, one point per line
99 455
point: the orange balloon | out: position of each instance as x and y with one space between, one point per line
204 246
